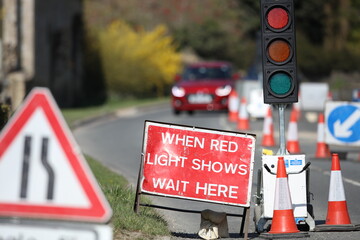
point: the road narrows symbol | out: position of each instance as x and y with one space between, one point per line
50 171
45 163
25 168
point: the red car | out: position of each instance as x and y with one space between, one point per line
203 86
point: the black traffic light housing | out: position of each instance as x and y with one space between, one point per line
280 82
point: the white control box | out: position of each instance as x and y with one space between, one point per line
297 183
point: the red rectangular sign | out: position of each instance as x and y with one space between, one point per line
197 163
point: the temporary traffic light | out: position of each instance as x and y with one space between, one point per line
280 83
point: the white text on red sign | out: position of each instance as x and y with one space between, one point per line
198 163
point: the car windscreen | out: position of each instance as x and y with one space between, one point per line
207 73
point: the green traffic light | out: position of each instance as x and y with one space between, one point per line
280 84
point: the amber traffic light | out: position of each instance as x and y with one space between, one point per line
278 51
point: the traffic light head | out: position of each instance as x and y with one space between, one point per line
278 51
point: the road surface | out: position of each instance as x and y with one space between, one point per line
117 142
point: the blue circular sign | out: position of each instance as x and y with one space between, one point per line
344 123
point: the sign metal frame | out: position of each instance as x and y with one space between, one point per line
192 131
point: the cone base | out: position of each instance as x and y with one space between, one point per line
268 141
322 151
283 222
293 146
233 116
337 213
337 228
284 235
243 125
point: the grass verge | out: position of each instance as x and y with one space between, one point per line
126 223
148 224
72 115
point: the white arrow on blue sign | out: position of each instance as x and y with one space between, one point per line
342 123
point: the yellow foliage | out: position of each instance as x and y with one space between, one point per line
138 62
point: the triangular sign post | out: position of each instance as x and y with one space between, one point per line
43 173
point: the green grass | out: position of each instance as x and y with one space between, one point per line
121 199
148 223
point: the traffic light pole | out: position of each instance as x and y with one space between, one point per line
281 108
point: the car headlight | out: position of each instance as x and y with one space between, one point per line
223 91
178 91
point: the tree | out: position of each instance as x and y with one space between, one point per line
138 63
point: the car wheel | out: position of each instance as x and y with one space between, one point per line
176 112
190 112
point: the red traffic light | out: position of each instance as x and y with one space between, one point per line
277 18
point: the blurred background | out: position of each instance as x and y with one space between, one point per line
87 51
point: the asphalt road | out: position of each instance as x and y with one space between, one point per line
117 142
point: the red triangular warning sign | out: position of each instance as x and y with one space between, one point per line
42 170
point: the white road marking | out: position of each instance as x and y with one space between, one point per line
328 173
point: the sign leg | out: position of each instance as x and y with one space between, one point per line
245 223
138 190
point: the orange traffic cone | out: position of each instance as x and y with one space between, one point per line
243 119
292 143
337 218
283 218
233 106
337 208
268 130
322 149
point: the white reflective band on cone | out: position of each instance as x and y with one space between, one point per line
321 133
243 114
292 132
297 105
336 192
282 195
267 125
233 104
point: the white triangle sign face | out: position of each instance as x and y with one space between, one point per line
43 173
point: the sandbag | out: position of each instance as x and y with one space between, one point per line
213 225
